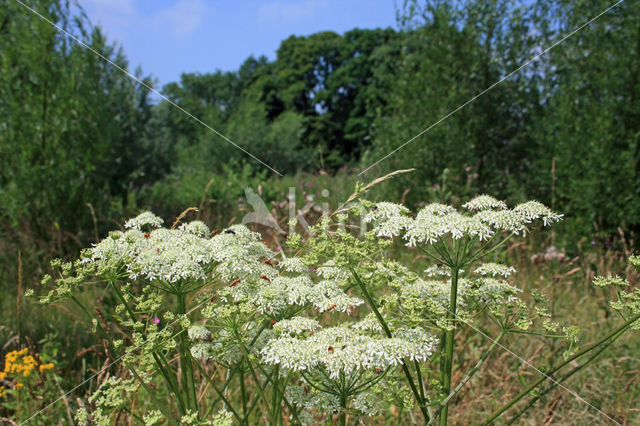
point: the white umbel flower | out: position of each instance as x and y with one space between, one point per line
388 219
146 218
330 271
494 269
484 202
196 227
429 227
293 264
198 332
345 350
296 325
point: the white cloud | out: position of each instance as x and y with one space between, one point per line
182 18
119 17
123 6
114 16
289 11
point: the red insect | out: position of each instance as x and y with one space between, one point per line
147 235
330 349
158 250
351 310
268 262
331 307
273 322
234 282
264 277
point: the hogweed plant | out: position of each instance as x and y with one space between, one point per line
218 328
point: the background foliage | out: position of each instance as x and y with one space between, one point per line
82 145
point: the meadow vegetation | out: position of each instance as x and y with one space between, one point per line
386 310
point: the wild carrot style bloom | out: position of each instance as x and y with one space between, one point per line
263 314
345 350
494 269
389 219
436 221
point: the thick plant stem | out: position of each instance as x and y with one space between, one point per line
448 360
385 328
243 392
615 334
471 373
185 362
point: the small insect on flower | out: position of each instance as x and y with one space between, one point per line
273 322
331 307
267 262
330 349
158 250
147 235
229 231
234 282
264 277
351 310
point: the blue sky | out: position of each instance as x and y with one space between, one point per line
169 37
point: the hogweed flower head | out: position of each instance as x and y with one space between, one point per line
389 219
345 350
144 219
494 269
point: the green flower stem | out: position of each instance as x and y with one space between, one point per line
245 420
385 327
443 251
367 385
186 366
419 378
169 377
123 300
343 407
615 334
448 360
103 332
161 406
220 392
209 379
317 386
243 392
275 404
268 379
483 250
471 373
431 255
